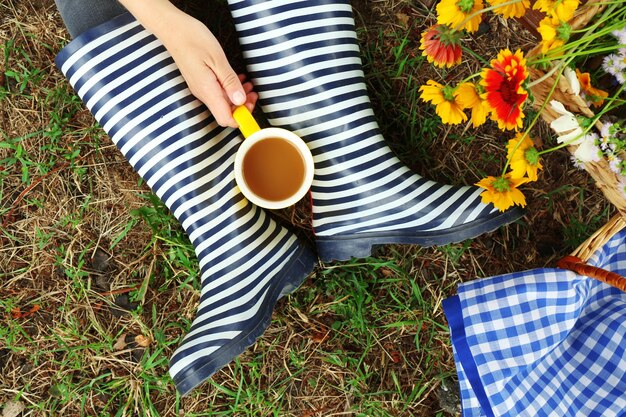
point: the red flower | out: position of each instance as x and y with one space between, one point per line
504 92
441 46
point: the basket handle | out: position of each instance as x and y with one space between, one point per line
577 261
580 267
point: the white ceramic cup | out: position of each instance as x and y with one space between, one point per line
253 134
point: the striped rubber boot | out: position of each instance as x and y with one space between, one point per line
133 88
304 61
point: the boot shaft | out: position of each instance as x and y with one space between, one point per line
304 60
248 261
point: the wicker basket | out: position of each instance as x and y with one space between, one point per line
605 179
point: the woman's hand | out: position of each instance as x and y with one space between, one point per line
205 67
199 57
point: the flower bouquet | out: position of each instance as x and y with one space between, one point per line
548 79
544 341
566 99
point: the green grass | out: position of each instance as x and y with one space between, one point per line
364 338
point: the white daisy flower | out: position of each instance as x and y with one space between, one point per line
620 34
577 163
614 163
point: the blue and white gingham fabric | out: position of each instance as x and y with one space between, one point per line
545 342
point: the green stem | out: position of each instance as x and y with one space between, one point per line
596 51
557 67
569 48
468 78
620 101
562 145
590 35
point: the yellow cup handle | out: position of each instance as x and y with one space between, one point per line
246 121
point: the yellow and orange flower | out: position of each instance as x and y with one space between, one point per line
445 100
561 9
594 95
502 191
460 14
468 97
517 9
524 157
504 91
442 46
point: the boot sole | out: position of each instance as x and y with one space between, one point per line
295 274
346 247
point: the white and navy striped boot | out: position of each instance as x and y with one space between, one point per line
304 60
248 261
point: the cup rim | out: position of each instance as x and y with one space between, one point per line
300 145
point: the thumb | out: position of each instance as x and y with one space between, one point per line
230 83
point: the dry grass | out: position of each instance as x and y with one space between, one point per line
362 338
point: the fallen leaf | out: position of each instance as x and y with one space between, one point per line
17 313
386 272
142 340
403 19
13 408
120 344
301 316
137 354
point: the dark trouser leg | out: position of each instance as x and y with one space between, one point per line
80 15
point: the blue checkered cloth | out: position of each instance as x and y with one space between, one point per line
545 342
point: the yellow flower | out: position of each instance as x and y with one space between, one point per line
554 33
502 191
517 9
469 98
560 9
444 98
523 157
455 12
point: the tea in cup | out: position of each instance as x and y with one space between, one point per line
273 166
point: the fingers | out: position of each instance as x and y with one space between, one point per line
210 91
251 100
205 68
251 96
218 99
228 79
221 89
